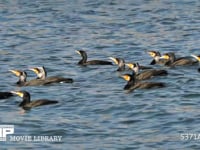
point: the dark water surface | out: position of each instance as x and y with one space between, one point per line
94 112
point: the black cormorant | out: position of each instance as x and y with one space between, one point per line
156 58
27 104
120 62
172 61
145 74
84 61
132 84
42 75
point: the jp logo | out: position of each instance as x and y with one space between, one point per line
5 130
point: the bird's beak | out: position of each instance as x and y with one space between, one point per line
196 57
20 94
15 72
129 65
34 70
114 59
152 54
125 77
78 52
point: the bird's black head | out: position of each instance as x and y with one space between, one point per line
131 80
83 55
154 53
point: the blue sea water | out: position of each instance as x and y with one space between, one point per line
95 112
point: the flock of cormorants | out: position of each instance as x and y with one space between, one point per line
134 80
